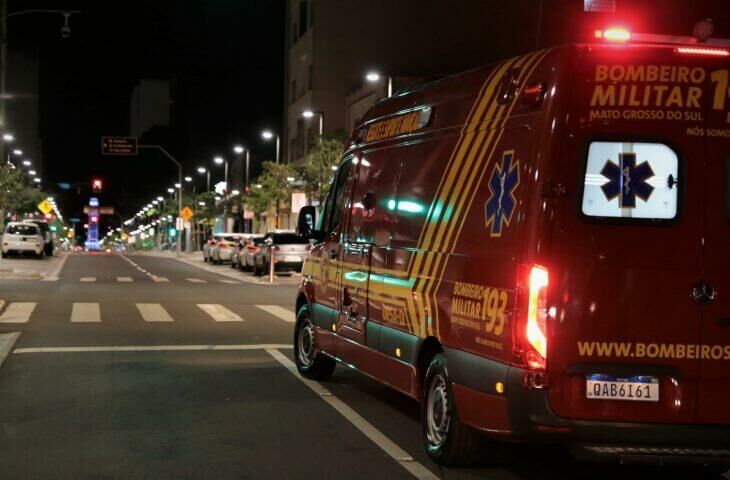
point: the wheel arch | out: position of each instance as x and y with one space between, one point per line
429 348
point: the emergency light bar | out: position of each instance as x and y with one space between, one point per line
622 35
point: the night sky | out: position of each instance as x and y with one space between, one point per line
223 57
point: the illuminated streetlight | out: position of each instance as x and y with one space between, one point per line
171 190
268 135
27 163
17 152
160 199
201 170
8 137
373 77
309 114
31 172
37 180
155 202
177 185
238 149
235 192
218 160
188 179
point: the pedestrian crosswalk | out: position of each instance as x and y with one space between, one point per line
92 312
157 279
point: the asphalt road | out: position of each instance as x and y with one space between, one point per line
144 367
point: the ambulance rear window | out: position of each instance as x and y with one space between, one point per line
630 180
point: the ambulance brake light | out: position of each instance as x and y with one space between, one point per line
701 51
615 34
537 311
530 327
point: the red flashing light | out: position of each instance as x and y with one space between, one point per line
531 328
94 219
708 52
614 34
97 185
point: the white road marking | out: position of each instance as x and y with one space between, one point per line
219 312
153 312
232 282
151 348
18 312
7 340
85 313
160 279
124 279
55 272
87 279
195 280
385 443
278 311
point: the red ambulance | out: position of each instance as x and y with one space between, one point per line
539 251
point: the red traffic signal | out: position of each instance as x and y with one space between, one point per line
97 185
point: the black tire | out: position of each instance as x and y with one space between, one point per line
310 363
448 442
40 255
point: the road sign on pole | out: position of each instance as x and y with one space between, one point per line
119 146
45 207
187 213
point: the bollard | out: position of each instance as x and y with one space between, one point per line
271 263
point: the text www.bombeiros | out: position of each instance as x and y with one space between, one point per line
654 350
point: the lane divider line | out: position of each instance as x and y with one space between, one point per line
376 436
124 279
279 312
54 273
87 279
151 348
195 280
7 340
18 312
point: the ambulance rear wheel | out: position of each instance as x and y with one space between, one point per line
448 441
310 363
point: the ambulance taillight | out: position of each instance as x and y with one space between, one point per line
614 34
531 339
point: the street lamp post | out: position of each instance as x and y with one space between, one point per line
202 170
268 135
373 77
310 114
180 180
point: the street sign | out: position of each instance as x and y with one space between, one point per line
186 213
106 210
45 207
119 146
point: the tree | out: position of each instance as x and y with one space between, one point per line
318 169
275 188
16 193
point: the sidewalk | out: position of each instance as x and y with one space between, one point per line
195 259
26 268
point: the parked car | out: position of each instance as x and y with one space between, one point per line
290 251
252 246
208 246
240 251
48 244
23 238
223 249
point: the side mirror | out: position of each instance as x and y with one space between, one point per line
306 222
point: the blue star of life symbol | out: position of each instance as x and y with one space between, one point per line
502 202
627 180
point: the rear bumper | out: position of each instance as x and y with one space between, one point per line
524 415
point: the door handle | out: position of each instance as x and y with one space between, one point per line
725 322
333 254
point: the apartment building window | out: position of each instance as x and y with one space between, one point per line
303 17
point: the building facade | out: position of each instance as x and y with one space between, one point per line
330 45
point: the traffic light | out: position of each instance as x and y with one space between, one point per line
97 185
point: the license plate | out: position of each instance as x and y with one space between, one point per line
607 387
292 258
